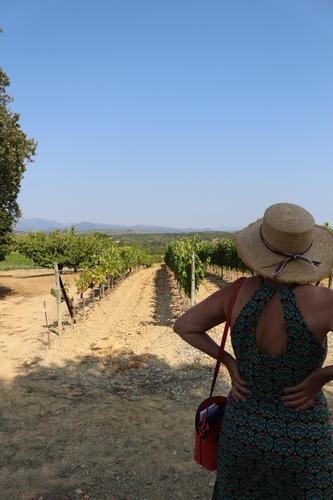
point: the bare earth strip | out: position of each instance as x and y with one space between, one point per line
107 411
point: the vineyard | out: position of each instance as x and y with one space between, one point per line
189 259
115 382
100 259
178 257
96 255
101 262
119 382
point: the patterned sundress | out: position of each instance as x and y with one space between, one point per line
266 450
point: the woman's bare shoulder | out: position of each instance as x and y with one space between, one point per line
318 294
247 288
316 301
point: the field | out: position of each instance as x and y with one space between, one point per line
107 411
155 243
16 261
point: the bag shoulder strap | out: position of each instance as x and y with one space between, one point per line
225 332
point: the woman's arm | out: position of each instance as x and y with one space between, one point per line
194 323
192 326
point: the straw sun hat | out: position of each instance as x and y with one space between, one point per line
286 245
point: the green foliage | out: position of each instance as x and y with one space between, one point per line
224 254
16 260
42 248
95 252
156 243
100 258
82 249
53 291
65 247
178 257
114 262
15 151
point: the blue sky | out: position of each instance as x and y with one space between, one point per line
179 112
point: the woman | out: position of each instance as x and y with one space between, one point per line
275 439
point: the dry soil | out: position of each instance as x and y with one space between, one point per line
107 410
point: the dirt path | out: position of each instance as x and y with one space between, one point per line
22 321
107 411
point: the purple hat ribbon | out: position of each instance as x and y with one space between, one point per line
281 266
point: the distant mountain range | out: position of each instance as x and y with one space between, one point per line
37 224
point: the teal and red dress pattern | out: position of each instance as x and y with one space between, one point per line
266 450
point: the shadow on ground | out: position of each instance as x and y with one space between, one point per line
5 291
109 425
163 299
163 313
217 280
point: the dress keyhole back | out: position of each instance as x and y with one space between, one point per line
266 449
270 328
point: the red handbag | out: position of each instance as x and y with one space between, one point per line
210 413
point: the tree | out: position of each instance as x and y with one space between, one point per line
62 246
15 151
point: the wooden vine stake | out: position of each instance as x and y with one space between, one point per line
73 309
67 300
56 270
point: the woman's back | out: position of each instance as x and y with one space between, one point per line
314 304
268 450
280 342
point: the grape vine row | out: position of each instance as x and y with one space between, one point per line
178 257
100 257
113 264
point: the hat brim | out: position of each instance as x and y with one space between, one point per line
257 256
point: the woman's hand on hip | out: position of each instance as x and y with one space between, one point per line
239 388
303 395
